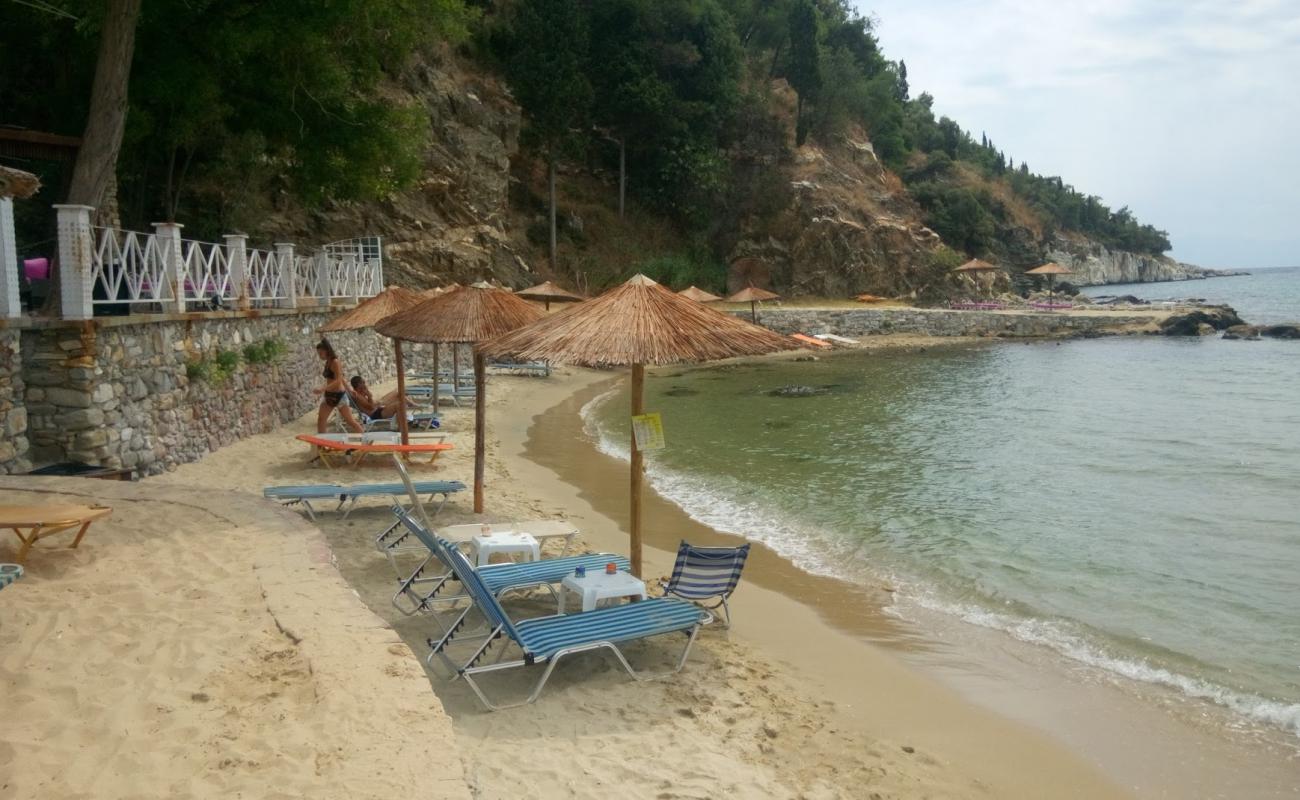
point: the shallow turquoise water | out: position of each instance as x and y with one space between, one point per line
1132 503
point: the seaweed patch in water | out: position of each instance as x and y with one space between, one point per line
682 391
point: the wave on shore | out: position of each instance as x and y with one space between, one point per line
726 508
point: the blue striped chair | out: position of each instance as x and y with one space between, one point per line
9 573
702 573
547 640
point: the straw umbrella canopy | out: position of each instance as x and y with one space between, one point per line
548 293
465 316
1051 269
699 295
753 296
635 324
373 309
19 184
976 265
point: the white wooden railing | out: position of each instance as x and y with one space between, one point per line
162 271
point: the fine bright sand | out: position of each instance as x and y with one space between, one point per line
203 642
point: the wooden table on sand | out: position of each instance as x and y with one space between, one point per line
33 523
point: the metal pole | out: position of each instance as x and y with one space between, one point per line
638 467
401 392
480 422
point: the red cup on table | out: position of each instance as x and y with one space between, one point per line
611 568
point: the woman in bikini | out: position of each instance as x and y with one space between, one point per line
334 390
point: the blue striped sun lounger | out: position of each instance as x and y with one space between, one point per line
347 496
9 573
419 590
547 640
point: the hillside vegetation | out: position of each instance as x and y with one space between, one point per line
702 141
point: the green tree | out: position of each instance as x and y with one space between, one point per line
548 72
804 72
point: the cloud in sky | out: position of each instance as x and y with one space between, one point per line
1187 112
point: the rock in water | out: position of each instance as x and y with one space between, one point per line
1217 318
1284 330
1249 333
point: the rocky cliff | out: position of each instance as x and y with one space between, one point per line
1094 264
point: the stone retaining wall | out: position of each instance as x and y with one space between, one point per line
118 395
13 411
855 322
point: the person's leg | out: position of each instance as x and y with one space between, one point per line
349 419
323 416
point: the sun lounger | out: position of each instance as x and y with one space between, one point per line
805 339
830 337
547 640
703 573
354 447
9 573
418 590
347 496
33 523
536 368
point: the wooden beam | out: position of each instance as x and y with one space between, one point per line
638 468
480 424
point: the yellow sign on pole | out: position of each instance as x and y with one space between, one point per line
649 431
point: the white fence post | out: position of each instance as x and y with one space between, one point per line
168 237
288 280
9 305
354 278
237 264
76 273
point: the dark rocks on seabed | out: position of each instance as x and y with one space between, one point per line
1200 321
799 391
1122 299
1249 333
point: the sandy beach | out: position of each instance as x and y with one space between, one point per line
205 642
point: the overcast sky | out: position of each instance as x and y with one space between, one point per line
1186 111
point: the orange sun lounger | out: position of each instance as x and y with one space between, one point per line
810 340
33 523
354 449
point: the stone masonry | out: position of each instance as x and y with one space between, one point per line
117 394
13 412
938 322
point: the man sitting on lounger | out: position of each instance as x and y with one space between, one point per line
384 408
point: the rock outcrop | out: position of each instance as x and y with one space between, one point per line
453 225
1095 264
1201 321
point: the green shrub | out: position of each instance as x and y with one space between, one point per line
264 352
198 370
677 271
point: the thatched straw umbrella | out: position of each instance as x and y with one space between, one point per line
636 324
1051 269
699 295
974 267
548 293
373 309
753 296
19 184
465 316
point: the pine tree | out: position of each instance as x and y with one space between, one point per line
804 73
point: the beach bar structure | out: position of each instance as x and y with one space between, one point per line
636 324
468 315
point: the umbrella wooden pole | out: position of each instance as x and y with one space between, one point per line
638 387
401 392
455 368
436 348
753 312
480 423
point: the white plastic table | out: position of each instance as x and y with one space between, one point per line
510 543
599 585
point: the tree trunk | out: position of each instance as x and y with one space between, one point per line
550 191
102 139
622 175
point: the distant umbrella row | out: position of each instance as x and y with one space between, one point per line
635 324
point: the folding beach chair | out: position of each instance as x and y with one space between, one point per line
547 640
418 590
9 573
702 573
347 496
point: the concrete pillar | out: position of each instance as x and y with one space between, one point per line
237 261
168 236
9 305
76 253
284 254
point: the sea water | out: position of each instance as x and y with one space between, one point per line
1131 503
